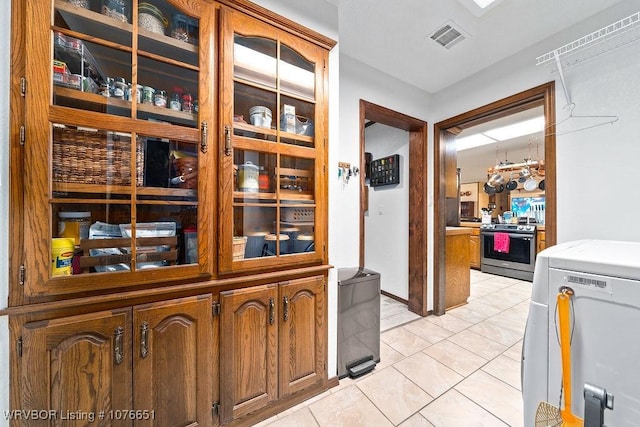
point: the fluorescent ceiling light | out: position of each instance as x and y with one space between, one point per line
515 130
483 3
473 141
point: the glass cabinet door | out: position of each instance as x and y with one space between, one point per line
128 139
273 164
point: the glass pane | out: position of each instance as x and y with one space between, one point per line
254 175
168 93
253 228
90 76
167 203
296 122
297 75
254 59
171 234
297 208
296 178
253 112
103 19
254 204
297 222
78 243
89 160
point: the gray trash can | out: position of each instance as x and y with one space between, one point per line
358 321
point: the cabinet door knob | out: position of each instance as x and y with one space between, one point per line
144 337
227 140
285 310
204 136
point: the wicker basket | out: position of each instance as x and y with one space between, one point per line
94 157
239 244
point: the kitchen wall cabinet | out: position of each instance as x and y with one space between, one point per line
274 344
154 360
140 171
273 151
133 202
473 195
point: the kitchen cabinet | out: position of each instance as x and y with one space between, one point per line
472 199
139 171
541 238
274 344
128 147
151 363
457 273
274 147
474 248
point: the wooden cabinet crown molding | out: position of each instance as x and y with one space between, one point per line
281 22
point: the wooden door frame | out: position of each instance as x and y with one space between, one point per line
543 95
418 184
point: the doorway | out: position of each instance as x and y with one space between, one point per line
417 183
445 169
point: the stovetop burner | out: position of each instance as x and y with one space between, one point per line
513 228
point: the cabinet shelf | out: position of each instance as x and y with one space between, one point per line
90 22
257 132
272 196
76 98
122 189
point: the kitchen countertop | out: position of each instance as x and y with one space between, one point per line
539 227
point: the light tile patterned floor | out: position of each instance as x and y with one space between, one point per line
457 370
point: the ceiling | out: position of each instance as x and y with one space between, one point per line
474 162
396 40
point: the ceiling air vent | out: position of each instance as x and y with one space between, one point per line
448 35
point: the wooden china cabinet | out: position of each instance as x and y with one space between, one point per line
169 205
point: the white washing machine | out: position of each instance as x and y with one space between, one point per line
605 346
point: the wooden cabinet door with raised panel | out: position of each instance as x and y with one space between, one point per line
172 360
474 250
248 350
78 366
302 334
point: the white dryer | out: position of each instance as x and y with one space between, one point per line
605 346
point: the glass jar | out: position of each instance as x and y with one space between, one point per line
179 30
187 103
160 99
116 9
148 94
176 102
138 94
264 182
105 89
119 88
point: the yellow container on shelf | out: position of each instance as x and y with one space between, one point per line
61 256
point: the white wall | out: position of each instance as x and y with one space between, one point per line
589 206
359 81
5 20
386 223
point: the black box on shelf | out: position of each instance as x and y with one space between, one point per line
157 166
385 171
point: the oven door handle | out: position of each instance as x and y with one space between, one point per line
513 236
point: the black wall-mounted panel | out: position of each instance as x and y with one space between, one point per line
385 171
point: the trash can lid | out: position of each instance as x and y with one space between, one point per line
350 275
